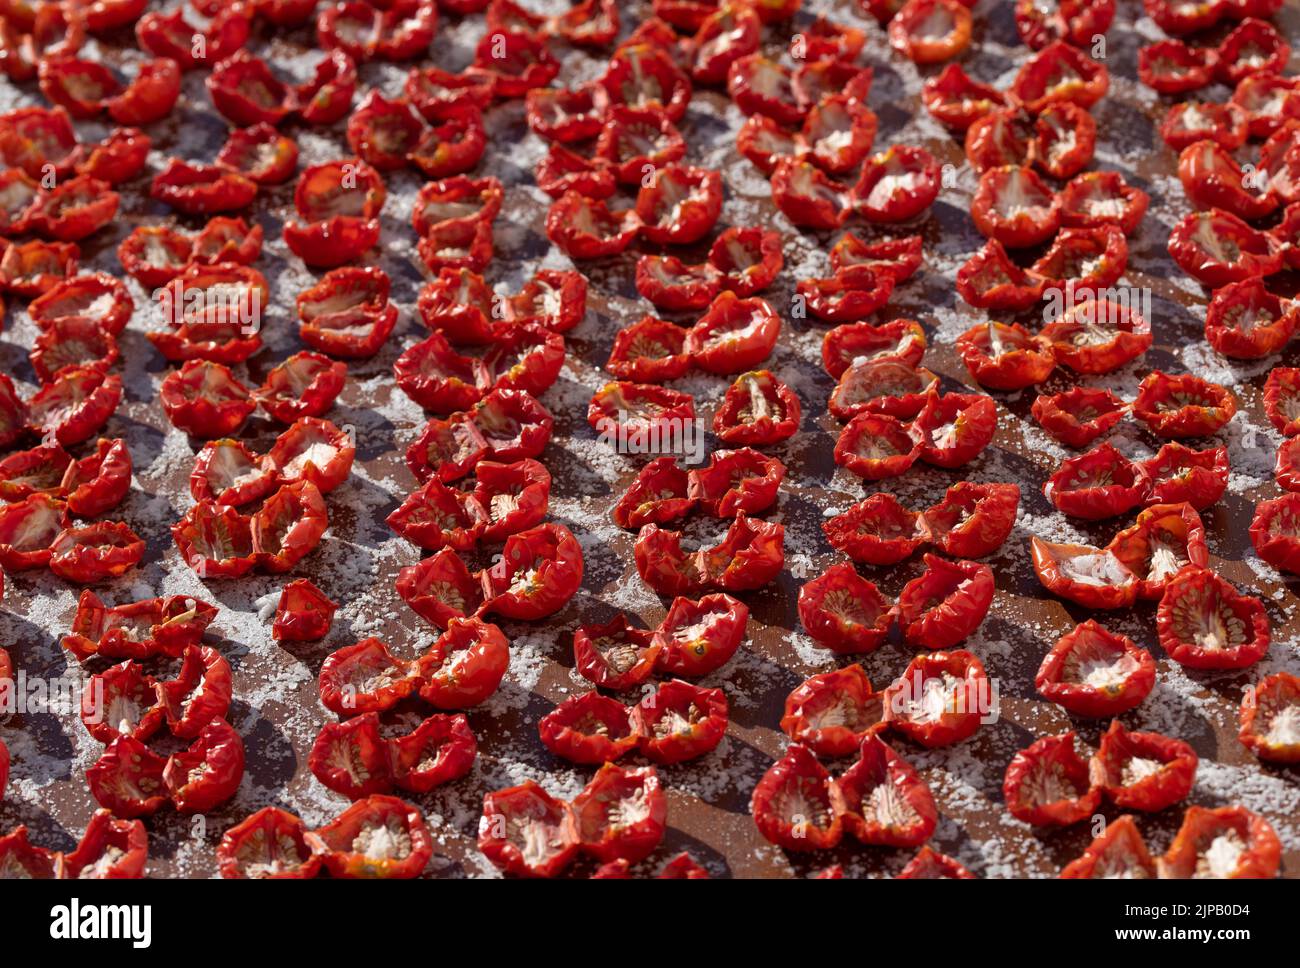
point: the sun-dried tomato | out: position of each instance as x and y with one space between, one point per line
1100 484
1142 771
1218 248
878 531
1267 710
939 699
588 729
1047 784
1204 623
1092 577
1092 671
378 837
1222 843
972 520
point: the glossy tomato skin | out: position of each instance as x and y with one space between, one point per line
899 443
128 779
1002 357
1100 484
1254 253
1178 473
303 613
735 482
549 557
1058 678
698 637
1092 577
973 520
464 666
679 721
336 843
946 603
1119 848
1191 595
351 758
1078 416
1204 407
1260 857
1051 756
960 717
879 766
735 335
758 409
507 846
798 778
615 655
110 849
588 729
1245 321
1035 221
1164 539
833 606
810 712
955 427
990 280
208 773
365 677
877 531
900 339
649 351
199 694
1273 698
1162 788
267 844
599 814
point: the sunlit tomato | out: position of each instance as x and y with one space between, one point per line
878 531
679 204
198 189
898 339
1218 248
348 312
725 36
885 385
874 446
1005 357
364 678
199 694
587 729
955 427
261 153
896 185
33 268
1222 843
990 280
437 516
1246 321
1182 405
440 750
72 342
767 144
440 588
759 85
1268 715
757 409
1117 852
527 832
972 520
378 837
832 713
1142 771
807 197
339 203
1060 72
1100 484
1165 539
736 482
797 805
268 844
1172 67
1077 22
327 96
939 699
1047 784
586 229
930 31
128 779
117 158
38 470
930 865
1092 577
554 299
1192 121
1015 207
1253 47
1096 198
28 529
843 611
227 472
75 404
1178 474
304 385
657 495
748 258
1084 259
205 400
644 76
621 814
167 626
615 655
110 849
460 199
566 115
879 774
170 35
679 721
216 541
946 603
121 701
303 613
1078 416
539 571
637 140
1002 137
953 98
734 335
697 637
1204 623
93 552
1212 179
1092 671
650 350
1095 335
